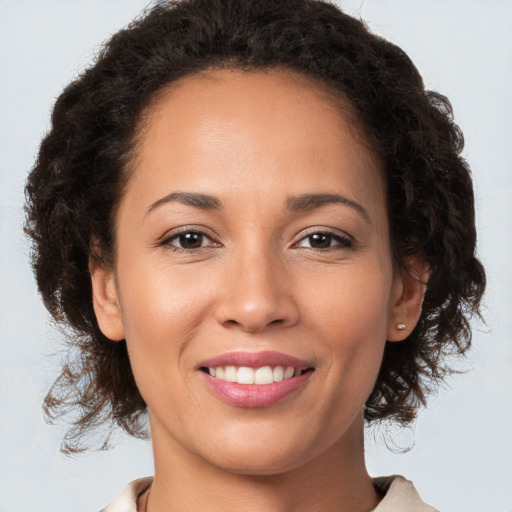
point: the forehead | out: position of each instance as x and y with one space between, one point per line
250 93
227 128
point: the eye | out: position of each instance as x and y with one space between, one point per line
324 240
188 240
191 240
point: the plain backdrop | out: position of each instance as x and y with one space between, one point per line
461 455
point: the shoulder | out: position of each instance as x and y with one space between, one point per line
399 495
126 500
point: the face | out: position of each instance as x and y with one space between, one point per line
252 246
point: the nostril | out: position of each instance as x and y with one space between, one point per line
255 312
234 323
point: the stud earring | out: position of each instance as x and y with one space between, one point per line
401 327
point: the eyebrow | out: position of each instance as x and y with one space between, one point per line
303 202
307 202
201 201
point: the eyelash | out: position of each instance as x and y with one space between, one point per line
167 241
341 242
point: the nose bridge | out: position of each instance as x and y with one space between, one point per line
258 293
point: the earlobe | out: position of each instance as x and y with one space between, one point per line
106 302
410 287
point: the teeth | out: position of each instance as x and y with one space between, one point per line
230 374
278 374
264 375
289 372
246 375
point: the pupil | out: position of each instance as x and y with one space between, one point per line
320 240
191 240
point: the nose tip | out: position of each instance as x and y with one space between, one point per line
257 299
256 317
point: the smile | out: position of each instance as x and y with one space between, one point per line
255 379
259 376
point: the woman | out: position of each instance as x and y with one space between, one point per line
258 224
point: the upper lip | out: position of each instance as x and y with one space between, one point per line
255 360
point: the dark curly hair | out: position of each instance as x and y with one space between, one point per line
84 163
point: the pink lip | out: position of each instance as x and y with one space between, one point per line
254 395
255 360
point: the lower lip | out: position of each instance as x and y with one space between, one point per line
255 395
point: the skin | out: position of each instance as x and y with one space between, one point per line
257 281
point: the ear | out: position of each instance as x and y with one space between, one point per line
408 292
106 302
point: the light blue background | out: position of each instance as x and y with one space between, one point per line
462 456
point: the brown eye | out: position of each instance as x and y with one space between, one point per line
187 240
325 240
320 240
190 240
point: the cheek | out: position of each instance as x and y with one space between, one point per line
350 312
161 314
351 302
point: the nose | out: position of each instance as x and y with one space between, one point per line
257 293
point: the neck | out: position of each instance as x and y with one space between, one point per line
334 481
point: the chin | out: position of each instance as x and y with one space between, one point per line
264 458
261 466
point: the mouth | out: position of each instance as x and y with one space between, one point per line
261 376
260 379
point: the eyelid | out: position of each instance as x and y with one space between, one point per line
348 241
165 239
